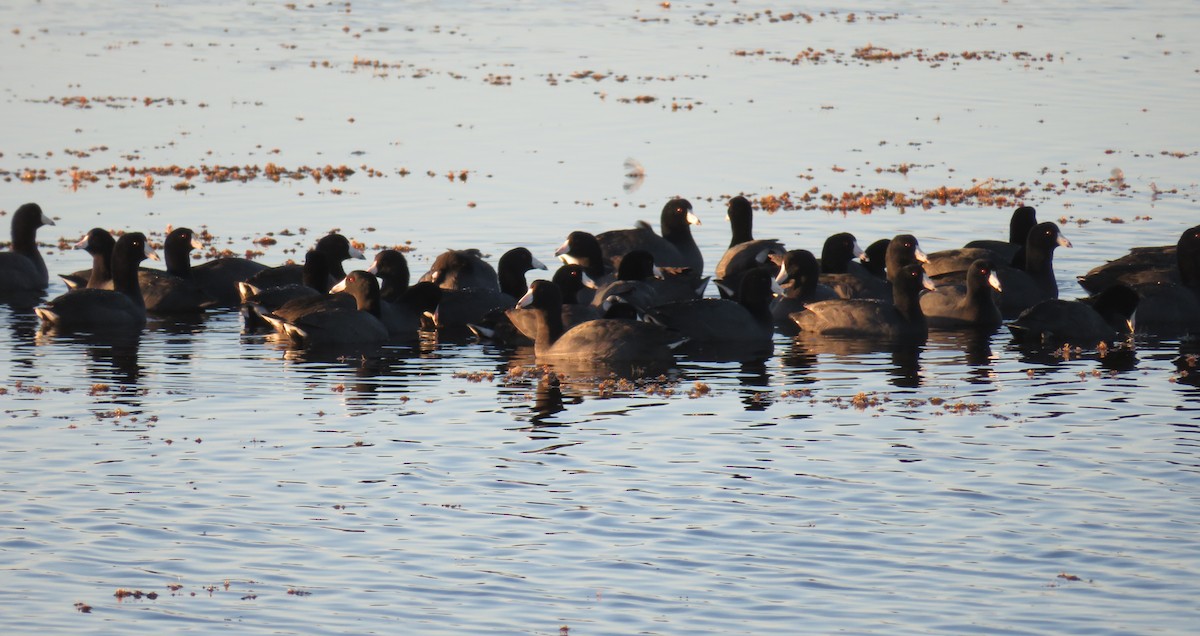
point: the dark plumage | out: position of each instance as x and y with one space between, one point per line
219 277
583 249
1010 252
337 248
966 306
903 250
571 280
1031 284
744 252
1102 318
1170 296
174 291
391 268
875 258
799 277
900 319
675 248
120 308
361 324
1166 264
407 316
843 271
634 282
462 269
287 300
511 270
746 320
472 300
98 242
602 341
23 269
1034 282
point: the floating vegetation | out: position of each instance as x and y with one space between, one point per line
80 101
984 194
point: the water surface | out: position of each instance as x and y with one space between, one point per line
964 486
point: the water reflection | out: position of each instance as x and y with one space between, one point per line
112 358
22 302
755 381
1187 363
904 372
547 398
1122 357
364 377
23 324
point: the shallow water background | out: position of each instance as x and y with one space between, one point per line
959 487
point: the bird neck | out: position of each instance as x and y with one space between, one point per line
101 269
549 327
125 277
178 262
512 282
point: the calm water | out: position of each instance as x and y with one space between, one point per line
965 486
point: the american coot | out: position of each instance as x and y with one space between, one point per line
1031 284
120 308
402 319
511 270
98 242
634 282
1170 299
903 250
966 306
219 277
875 258
571 280
625 344
406 318
901 319
1167 310
744 252
1035 282
339 326
1102 318
337 248
479 303
287 301
746 321
22 269
1010 252
1158 264
391 268
675 248
582 248
799 277
174 291
842 269
462 269
838 252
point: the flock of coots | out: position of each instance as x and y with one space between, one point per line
631 295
